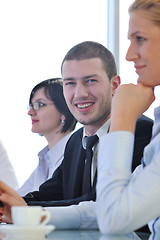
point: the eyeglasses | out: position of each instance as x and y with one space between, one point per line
37 105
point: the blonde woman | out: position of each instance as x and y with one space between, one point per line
126 202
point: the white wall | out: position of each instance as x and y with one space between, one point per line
35 36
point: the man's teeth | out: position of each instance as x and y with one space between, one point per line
84 105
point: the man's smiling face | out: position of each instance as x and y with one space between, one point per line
87 91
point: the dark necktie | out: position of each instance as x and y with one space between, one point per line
90 142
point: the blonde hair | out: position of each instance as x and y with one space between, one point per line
151 8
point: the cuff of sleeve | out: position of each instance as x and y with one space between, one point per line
116 150
64 217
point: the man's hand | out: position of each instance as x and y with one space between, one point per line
9 198
129 102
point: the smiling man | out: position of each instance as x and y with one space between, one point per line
90 81
88 91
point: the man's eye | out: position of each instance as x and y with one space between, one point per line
69 83
91 80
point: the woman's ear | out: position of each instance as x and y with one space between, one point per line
115 82
63 120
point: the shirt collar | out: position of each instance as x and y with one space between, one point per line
101 131
156 126
56 152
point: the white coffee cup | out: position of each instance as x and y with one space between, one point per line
29 215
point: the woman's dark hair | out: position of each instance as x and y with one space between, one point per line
53 89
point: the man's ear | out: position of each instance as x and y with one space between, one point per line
115 82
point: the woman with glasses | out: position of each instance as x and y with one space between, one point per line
52 119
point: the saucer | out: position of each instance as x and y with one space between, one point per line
26 232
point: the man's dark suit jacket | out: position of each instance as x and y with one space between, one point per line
65 187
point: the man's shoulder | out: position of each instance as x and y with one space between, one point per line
143 134
74 146
145 119
144 126
144 122
79 132
75 137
